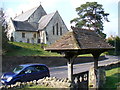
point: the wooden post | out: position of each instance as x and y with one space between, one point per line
96 58
93 78
70 56
70 69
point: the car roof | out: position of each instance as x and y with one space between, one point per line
31 64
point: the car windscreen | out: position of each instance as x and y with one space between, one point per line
18 69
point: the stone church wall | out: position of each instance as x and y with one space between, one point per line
35 17
49 29
28 35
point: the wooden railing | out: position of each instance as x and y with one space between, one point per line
81 80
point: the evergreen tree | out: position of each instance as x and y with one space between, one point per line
91 16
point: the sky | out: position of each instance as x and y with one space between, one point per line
66 8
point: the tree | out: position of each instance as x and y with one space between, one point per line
3 30
114 41
91 16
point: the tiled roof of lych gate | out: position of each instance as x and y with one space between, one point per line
25 26
80 39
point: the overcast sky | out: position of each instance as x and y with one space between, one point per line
66 8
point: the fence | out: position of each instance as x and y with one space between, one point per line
81 80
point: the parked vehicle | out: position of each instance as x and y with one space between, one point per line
25 73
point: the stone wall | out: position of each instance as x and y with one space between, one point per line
10 62
97 78
50 82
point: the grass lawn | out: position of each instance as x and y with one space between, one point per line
112 78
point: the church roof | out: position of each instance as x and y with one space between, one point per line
79 39
24 16
43 22
24 22
25 26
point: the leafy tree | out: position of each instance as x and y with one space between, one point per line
3 28
114 41
91 16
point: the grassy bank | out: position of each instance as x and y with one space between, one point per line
112 78
27 49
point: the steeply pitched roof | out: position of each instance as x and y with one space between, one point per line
25 15
45 20
25 26
79 39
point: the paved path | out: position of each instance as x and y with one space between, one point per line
61 71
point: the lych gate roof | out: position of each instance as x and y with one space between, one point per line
43 22
25 26
79 39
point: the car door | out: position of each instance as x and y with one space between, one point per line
41 71
28 74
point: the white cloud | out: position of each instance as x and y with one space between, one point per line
34 3
9 13
111 28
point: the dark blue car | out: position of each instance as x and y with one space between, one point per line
25 73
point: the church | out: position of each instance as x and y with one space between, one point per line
36 26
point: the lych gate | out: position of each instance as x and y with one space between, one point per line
80 41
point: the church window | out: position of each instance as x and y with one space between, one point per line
34 35
28 40
60 30
23 35
46 36
53 30
57 29
38 40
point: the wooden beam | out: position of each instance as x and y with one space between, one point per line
96 58
70 56
95 82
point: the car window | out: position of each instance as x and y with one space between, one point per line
18 69
30 69
40 68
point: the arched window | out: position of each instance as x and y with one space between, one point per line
34 35
60 30
57 29
53 30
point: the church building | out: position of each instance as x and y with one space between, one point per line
36 26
